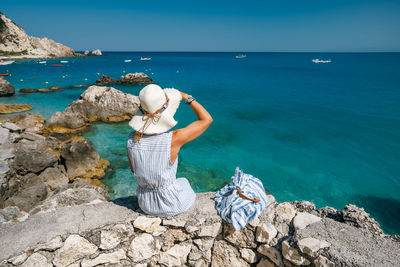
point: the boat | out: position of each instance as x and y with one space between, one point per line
4 74
2 62
64 61
317 60
145 58
128 60
240 56
42 62
56 65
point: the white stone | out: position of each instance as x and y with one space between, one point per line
17 260
36 260
147 224
11 126
191 228
4 135
255 222
142 247
111 238
248 255
272 253
52 245
204 244
210 230
265 232
285 211
321 261
96 52
175 256
75 248
303 219
293 255
109 258
265 263
311 246
159 231
174 223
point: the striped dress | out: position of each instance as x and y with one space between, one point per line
159 192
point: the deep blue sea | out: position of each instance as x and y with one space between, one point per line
326 133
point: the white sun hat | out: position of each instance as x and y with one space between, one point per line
157 110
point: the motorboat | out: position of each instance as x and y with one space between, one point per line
317 60
240 56
56 65
64 61
145 58
128 60
42 62
2 62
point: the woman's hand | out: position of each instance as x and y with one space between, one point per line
184 95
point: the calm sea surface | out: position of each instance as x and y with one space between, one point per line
326 133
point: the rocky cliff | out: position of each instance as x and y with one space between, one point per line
15 43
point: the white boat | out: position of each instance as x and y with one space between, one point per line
2 62
64 61
42 62
317 60
240 56
145 58
128 60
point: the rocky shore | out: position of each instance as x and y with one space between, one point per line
54 210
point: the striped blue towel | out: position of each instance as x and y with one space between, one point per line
233 200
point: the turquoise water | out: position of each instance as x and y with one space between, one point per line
327 133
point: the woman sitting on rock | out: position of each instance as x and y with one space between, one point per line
153 150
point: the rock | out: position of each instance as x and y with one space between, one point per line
10 212
242 238
96 52
27 160
53 178
147 224
75 248
29 180
28 198
28 90
105 79
11 126
36 260
303 219
29 122
357 217
265 232
171 236
159 231
285 211
200 254
107 258
135 78
321 261
175 256
86 52
63 122
265 263
272 253
4 135
142 247
224 254
310 246
112 237
52 245
17 260
248 255
210 230
173 223
82 160
293 255
6 89
304 206
4 168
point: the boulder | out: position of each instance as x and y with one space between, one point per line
321 261
265 232
75 248
37 260
224 254
27 160
64 122
105 79
175 256
272 253
11 126
52 245
53 178
135 78
96 52
4 135
112 237
147 224
248 255
87 52
142 247
28 198
29 122
355 216
6 89
293 255
210 230
310 246
243 238
106 258
303 219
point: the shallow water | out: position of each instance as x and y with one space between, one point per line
327 133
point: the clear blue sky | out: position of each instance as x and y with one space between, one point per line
157 25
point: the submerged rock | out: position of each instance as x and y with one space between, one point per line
6 89
11 108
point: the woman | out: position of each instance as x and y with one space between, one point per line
153 150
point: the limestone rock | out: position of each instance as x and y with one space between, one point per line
243 238
112 237
272 253
75 248
173 223
29 122
293 255
105 79
135 78
285 211
265 232
11 108
142 247
62 122
147 224
86 52
106 258
4 168
210 230
311 246
36 260
10 213
357 217
53 178
303 219
173 235
96 52
11 126
321 261
52 245
17 260
6 89
248 255
226 255
4 135
27 160
28 198
175 256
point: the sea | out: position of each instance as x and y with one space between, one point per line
326 133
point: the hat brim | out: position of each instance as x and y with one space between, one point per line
166 121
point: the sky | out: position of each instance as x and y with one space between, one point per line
213 25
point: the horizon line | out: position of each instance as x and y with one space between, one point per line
332 52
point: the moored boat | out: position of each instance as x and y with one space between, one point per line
128 60
145 58
317 60
8 62
240 56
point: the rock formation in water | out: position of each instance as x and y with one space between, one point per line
97 103
130 78
6 89
96 52
14 42
11 108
